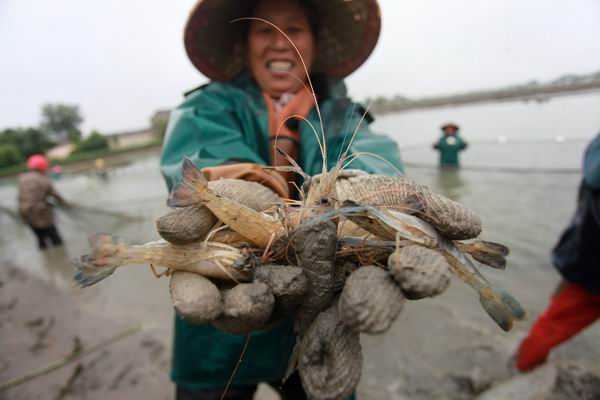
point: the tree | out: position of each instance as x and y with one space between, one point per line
9 155
27 140
61 121
94 142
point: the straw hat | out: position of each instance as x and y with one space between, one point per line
347 34
450 125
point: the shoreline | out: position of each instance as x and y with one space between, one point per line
86 163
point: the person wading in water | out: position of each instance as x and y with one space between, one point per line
449 145
35 189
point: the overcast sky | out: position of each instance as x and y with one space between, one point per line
122 59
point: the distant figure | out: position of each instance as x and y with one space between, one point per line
449 145
575 304
100 168
35 189
56 172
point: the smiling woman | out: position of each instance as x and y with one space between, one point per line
273 61
264 58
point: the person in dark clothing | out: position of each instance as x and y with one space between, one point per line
449 145
35 189
575 304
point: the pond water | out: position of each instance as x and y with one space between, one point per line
523 187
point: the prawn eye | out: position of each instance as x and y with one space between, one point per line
324 201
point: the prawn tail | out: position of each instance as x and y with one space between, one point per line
517 311
488 253
104 259
495 308
187 192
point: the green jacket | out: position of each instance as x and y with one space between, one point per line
449 147
223 122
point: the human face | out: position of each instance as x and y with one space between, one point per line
271 57
450 131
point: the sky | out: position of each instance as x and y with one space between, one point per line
120 60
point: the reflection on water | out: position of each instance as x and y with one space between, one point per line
450 183
55 262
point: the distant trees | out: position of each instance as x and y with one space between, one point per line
9 155
26 141
61 122
94 142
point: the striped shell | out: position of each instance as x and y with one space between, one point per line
190 224
330 360
246 307
451 219
371 301
196 299
420 272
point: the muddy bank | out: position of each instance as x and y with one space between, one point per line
433 350
40 325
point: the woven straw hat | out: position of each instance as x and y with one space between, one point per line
347 34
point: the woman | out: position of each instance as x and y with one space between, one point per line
228 127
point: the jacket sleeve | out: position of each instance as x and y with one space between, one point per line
206 130
383 153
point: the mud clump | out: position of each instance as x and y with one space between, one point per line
575 382
315 245
371 301
288 284
195 298
246 307
186 225
330 361
420 272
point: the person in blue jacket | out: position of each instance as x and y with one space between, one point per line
229 128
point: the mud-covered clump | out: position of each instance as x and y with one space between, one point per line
330 361
186 225
315 245
287 283
420 272
371 301
246 307
195 298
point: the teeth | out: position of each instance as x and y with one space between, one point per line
280 66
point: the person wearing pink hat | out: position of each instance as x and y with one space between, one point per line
35 189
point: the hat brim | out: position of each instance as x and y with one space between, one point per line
348 33
450 125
